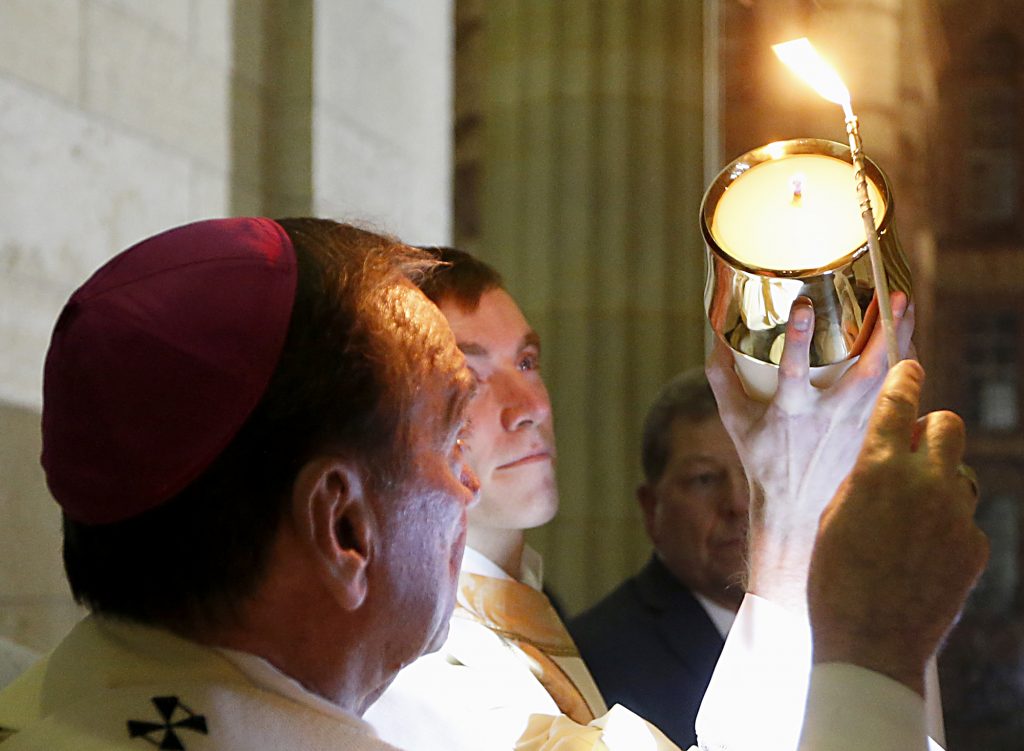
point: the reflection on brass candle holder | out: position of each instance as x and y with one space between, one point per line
748 306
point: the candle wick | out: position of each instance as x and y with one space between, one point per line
797 184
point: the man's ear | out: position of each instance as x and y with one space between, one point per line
648 505
332 515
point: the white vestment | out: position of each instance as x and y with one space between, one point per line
478 694
116 685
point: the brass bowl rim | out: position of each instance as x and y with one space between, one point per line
778 150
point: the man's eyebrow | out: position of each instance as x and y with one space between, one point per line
530 339
700 458
472 348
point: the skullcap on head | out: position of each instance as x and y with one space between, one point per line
157 361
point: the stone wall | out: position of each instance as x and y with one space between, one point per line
125 117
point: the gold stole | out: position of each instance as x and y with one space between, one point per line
523 616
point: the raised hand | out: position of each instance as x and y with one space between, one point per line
898 550
797 448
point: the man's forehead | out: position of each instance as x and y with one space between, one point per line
495 326
496 314
700 439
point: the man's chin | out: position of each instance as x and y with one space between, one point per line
535 492
439 637
546 514
536 510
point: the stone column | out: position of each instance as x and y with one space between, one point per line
382 115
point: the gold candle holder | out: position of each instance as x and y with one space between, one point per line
764 251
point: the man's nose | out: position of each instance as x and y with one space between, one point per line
524 402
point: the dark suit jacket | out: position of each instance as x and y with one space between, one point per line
651 647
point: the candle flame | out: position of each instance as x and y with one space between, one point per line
801 57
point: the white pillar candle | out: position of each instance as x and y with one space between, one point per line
793 213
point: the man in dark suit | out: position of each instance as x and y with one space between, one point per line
652 644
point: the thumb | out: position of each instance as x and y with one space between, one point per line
893 421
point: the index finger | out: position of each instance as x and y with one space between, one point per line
895 415
874 354
868 372
795 362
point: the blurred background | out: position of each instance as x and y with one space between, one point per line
569 143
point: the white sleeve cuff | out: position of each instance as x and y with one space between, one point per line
755 700
758 694
851 708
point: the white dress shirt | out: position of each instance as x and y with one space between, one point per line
763 683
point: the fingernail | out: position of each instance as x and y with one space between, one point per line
899 306
802 317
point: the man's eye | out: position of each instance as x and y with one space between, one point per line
529 362
704 479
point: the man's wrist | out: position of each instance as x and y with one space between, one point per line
780 577
782 536
839 645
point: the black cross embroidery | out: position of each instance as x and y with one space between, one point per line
166 705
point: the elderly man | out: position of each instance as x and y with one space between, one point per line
252 430
509 675
652 644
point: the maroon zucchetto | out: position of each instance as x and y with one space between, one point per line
158 359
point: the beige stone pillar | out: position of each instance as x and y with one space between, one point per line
271 112
382 115
589 178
